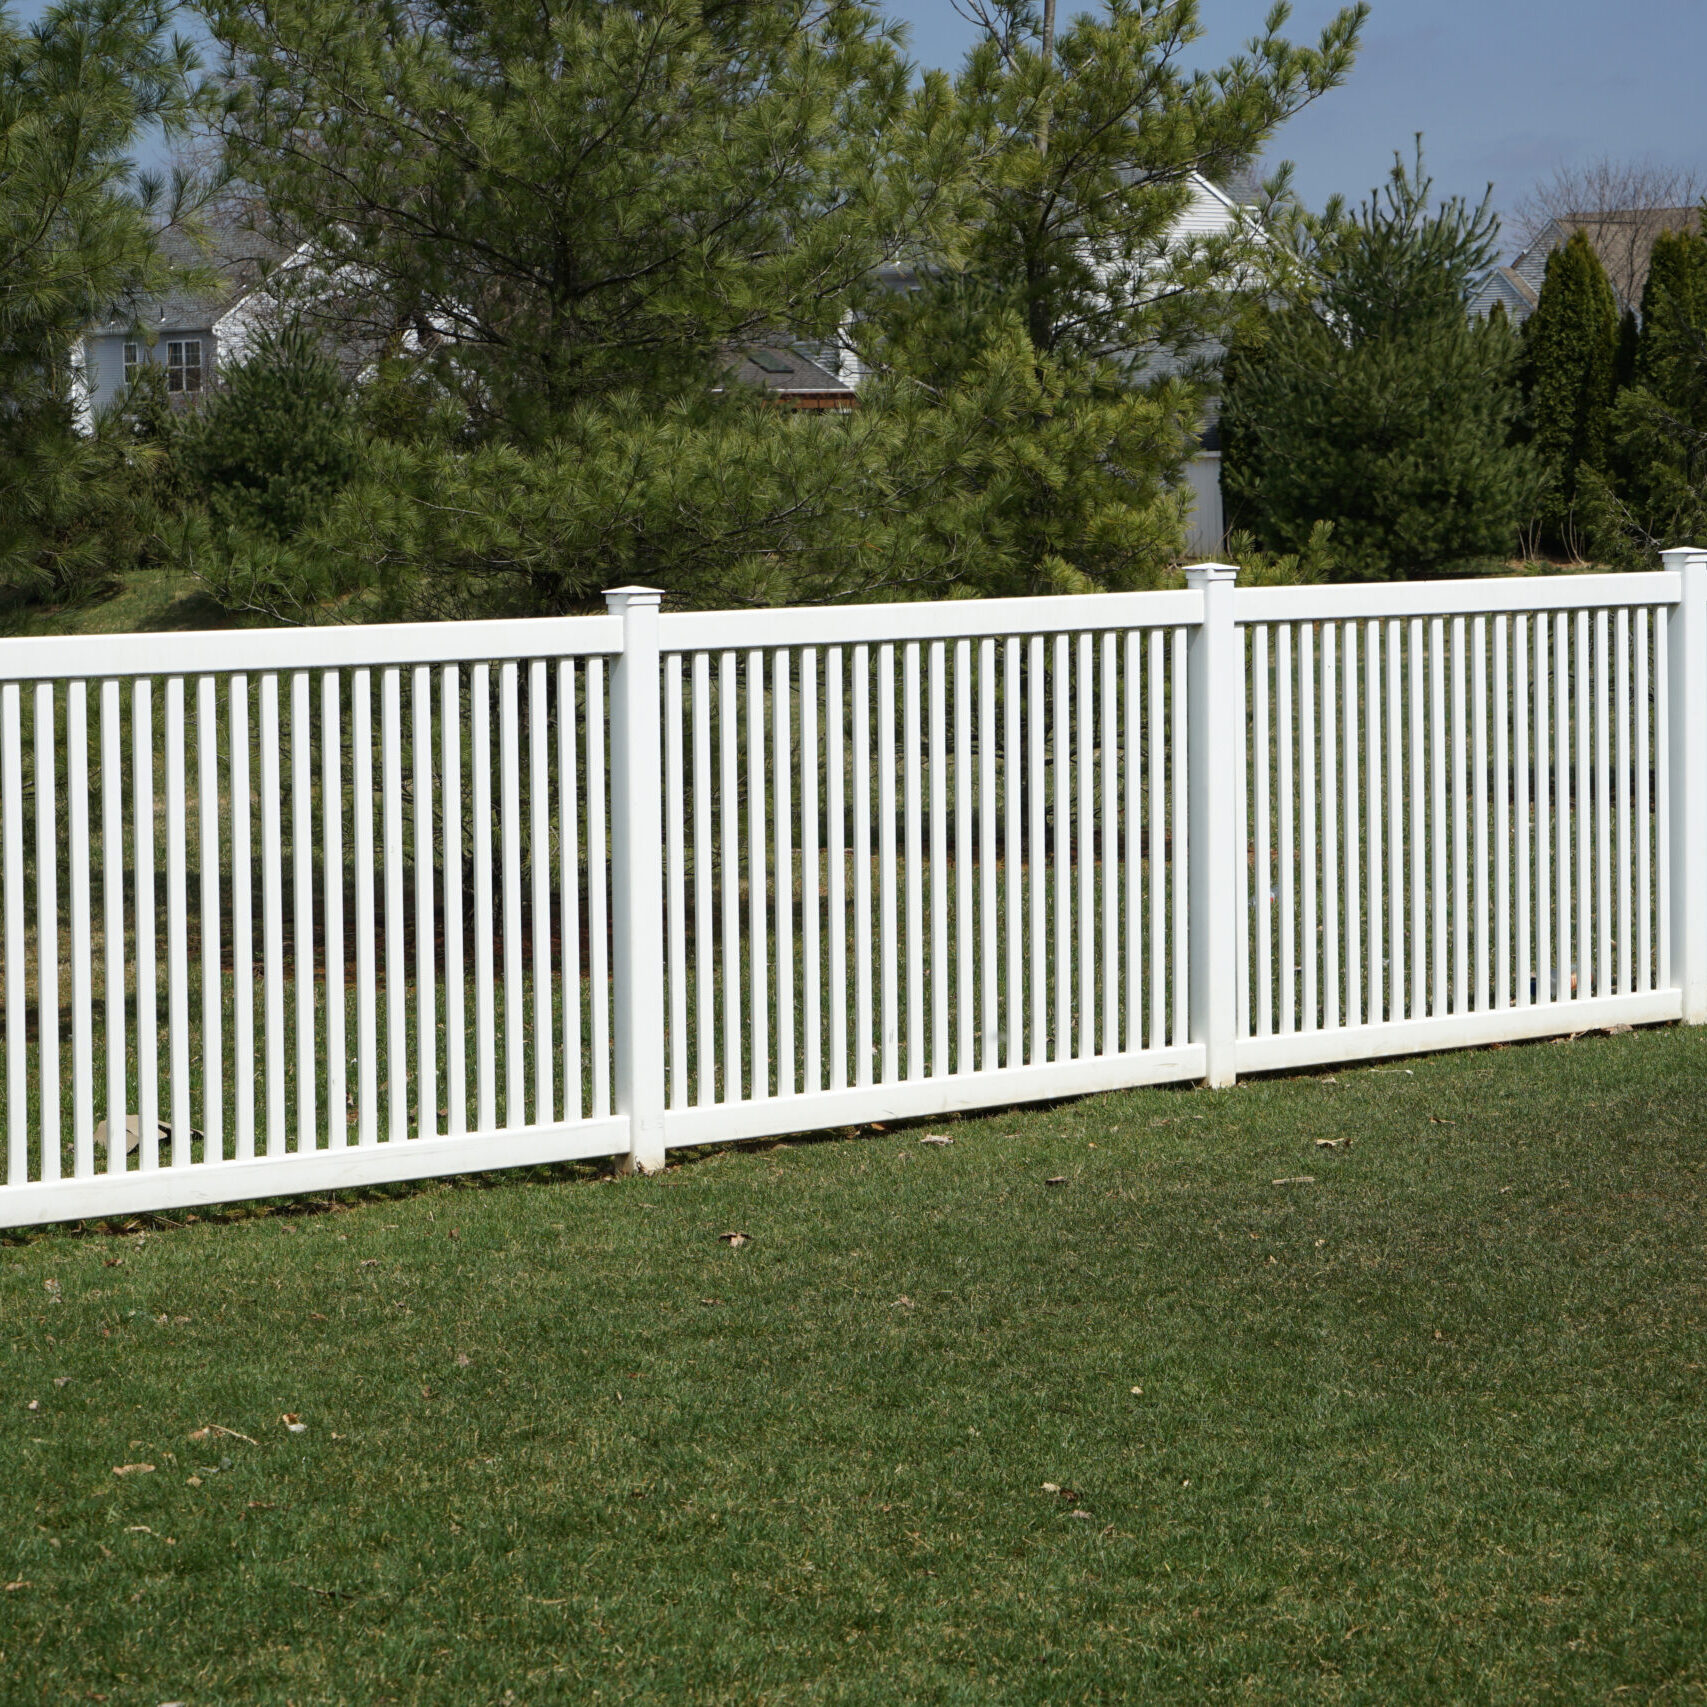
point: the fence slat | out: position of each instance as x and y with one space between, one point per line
1108 739
1353 903
1645 812
207 811
1331 904
1062 751
1288 844
811 879
539 868
1441 879
241 920
361 803
939 968
396 972
1396 821
1181 851
758 965
1260 793
862 1037
1132 754
965 986
1038 979
704 863
1479 692
112 928
729 854
302 920
450 785
886 757
1521 779
990 966
569 885
1375 993
1543 819
510 795
913 809
1602 813
1419 869
598 890
782 764
1585 939
177 944
674 791
1013 855
17 1057
1309 824
272 906
1565 974
1082 848
82 945
426 999
1501 997
1621 707
835 796
332 866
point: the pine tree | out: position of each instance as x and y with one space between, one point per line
1370 400
77 242
1570 357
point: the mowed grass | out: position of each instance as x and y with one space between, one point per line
1427 1429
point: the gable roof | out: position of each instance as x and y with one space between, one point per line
1623 238
238 258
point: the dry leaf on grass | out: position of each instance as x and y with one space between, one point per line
1295 1179
735 1239
293 1422
62 1380
1059 1179
131 1469
215 1428
1078 1514
1333 1143
22 1582
935 1138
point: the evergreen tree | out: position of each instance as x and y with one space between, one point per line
557 226
1570 357
1659 424
1366 397
1088 144
77 242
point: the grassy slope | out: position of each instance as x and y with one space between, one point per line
1425 1430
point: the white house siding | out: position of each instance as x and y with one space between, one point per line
1207 526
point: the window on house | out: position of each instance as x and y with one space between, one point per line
132 363
184 364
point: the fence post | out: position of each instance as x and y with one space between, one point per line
1215 737
1686 670
637 877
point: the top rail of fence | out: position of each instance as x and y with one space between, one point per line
956 619
1492 596
228 651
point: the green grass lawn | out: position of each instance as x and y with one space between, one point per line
1082 1407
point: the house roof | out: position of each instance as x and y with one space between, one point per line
238 259
1622 237
1508 287
788 373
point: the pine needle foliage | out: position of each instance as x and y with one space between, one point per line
77 244
1366 397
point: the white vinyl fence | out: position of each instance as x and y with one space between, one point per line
286 912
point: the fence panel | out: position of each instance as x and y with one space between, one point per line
319 1037
911 874
1472 814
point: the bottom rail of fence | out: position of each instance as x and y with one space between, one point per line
1453 1031
912 1099
207 1183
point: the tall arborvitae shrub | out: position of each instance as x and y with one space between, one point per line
1570 357
1658 496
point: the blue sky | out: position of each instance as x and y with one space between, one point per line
1502 90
